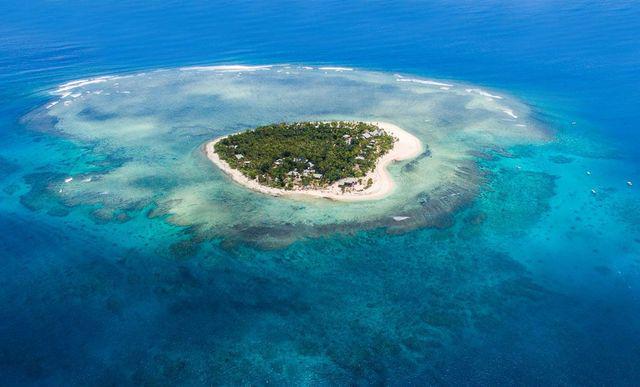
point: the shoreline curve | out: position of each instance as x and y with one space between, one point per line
406 147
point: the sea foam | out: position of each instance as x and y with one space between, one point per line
157 130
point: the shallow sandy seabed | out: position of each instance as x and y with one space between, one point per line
153 126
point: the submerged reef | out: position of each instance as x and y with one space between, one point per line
143 136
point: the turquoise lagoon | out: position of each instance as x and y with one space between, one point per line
275 282
150 267
147 133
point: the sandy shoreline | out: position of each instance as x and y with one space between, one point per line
407 147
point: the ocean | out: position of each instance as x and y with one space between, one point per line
127 259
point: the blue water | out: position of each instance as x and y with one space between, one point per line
533 282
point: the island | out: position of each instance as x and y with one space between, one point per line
339 160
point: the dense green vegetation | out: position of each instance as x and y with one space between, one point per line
305 154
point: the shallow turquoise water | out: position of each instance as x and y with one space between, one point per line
533 280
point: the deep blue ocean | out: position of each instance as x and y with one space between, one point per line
534 282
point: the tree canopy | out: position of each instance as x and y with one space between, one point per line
305 154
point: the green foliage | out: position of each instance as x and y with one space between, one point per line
369 183
315 154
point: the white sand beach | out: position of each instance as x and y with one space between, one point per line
406 147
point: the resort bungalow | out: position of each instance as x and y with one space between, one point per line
348 182
308 171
